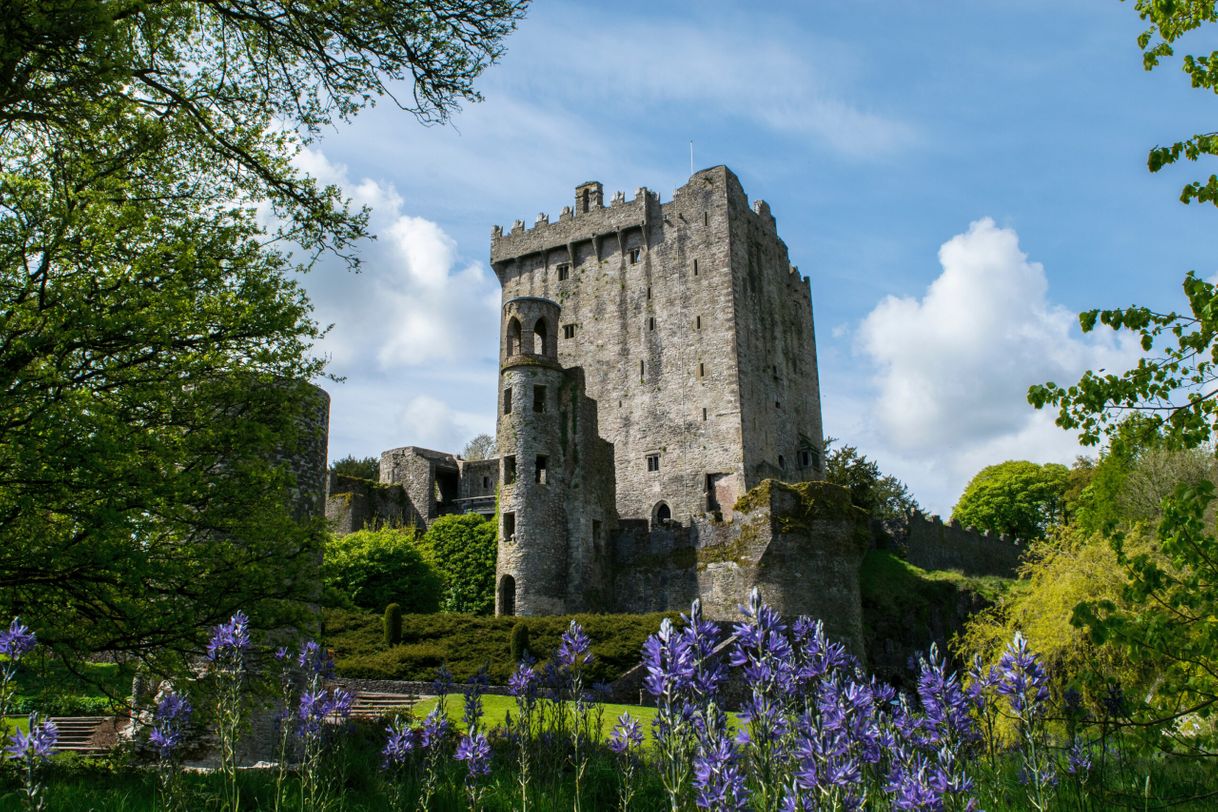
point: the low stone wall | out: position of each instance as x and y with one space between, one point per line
933 545
353 504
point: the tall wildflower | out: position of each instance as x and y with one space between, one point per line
226 650
475 751
31 749
15 642
766 659
625 742
668 658
319 703
169 723
522 685
432 735
401 742
573 655
1022 680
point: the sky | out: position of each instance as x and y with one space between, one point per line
958 179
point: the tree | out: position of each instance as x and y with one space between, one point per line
360 467
883 496
1015 498
375 568
152 341
481 447
1165 612
463 548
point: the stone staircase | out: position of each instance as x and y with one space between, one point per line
86 734
377 705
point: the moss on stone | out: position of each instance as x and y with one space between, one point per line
814 501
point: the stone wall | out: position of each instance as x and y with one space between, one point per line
933 545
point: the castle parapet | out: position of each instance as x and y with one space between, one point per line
933 545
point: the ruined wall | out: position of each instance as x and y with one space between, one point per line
354 504
431 479
933 545
648 298
802 545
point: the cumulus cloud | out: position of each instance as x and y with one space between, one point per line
952 367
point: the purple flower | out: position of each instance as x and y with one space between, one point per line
315 660
17 641
627 735
573 647
229 641
475 750
718 778
281 653
34 745
318 706
1022 680
399 744
1078 760
473 699
946 707
523 683
443 683
170 720
433 729
669 660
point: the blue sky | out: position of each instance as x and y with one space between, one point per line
958 179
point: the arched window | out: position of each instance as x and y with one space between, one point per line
507 595
513 336
540 338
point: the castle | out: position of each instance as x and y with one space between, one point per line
658 386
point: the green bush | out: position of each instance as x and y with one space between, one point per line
519 643
373 568
466 642
393 624
463 551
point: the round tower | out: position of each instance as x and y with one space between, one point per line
531 568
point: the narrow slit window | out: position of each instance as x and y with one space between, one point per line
509 469
706 218
636 254
539 398
777 405
642 369
564 271
486 482
509 526
695 267
805 459
539 471
701 369
653 462
651 322
649 292
782 463
507 401
704 414
697 322
568 331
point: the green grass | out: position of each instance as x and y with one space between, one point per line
46 685
496 709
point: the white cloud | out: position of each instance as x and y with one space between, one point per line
432 423
952 368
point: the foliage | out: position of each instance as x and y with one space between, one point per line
519 642
463 548
883 496
151 333
1015 498
359 467
373 568
481 447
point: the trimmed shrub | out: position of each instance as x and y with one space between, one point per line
519 642
393 624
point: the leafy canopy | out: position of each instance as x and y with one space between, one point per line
374 568
883 496
1015 498
152 338
481 447
360 467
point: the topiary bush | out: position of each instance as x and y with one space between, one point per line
519 641
393 624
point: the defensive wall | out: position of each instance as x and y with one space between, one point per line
931 544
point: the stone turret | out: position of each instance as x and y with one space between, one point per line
532 562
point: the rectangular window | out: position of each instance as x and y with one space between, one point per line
539 472
704 414
651 323
805 458
568 331
564 272
539 398
695 267
509 526
636 254
697 322
701 369
507 401
509 469
706 218
486 483
653 462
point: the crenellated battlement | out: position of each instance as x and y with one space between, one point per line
589 219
